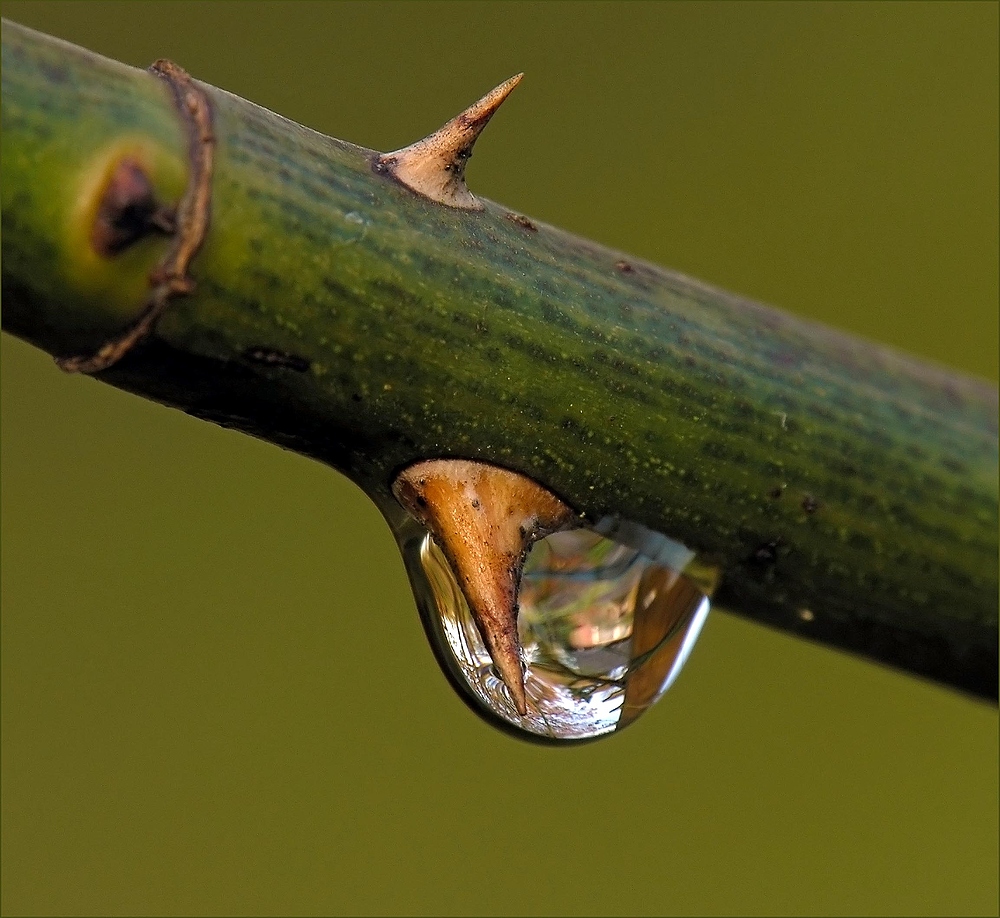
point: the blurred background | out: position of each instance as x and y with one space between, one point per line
193 720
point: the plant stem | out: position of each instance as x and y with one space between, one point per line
844 492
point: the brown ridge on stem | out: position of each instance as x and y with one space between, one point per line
435 166
485 518
190 225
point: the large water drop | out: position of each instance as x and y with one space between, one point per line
607 620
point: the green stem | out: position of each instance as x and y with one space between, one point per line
845 493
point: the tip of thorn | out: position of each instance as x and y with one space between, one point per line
479 113
507 85
506 656
521 701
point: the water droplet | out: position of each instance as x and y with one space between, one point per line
607 621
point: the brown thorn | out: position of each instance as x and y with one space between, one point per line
485 518
435 166
188 226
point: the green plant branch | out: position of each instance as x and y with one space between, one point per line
844 492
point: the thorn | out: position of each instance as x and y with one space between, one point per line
435 166
484 519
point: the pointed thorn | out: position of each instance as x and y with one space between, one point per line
484 519
435 166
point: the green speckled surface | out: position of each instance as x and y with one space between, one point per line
624 388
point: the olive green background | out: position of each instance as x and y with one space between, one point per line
217 697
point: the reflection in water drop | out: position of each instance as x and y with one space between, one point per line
606 627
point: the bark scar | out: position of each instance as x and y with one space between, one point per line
170 278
